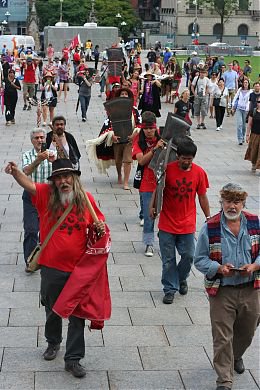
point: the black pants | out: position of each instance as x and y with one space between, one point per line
10 105
219 113
52 282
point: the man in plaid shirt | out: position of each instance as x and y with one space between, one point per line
36 163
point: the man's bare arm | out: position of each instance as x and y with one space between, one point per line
20 177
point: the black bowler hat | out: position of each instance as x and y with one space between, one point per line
62 165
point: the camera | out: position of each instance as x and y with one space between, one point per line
43 147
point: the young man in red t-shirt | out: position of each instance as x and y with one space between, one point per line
29 80
177 222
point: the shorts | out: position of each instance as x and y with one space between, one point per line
64 81
200 106
28 88
123 153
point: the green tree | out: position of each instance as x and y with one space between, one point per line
224 8
76 13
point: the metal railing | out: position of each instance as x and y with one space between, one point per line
224 50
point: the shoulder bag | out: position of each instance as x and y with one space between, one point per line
32 261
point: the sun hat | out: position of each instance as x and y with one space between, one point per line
62 165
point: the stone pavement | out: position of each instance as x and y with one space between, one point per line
145 345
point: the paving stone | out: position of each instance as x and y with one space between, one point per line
135 258
251 357
195 299
126 236
124 270
4 317
159 316
119 316
134 336
199 315
145 380
256 375
174 358
186 335
18 337
8 258
6 285
27 316
17 381
94 380
15 299
132 283
131 299
206 380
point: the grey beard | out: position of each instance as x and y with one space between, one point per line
232 217
66 198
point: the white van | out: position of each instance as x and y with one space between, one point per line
12 41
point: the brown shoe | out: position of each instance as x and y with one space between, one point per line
51 351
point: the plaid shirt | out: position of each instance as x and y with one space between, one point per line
42 171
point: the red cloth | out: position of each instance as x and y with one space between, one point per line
65 53
76 57
68 243
29 73
148 183
86 293
178 215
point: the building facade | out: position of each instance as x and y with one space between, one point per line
179 19
15 14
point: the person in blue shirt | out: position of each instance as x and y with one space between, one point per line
227 253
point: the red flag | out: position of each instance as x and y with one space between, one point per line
75 42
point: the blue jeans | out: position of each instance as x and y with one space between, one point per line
173 274
30 225
148 230
84 103
241 124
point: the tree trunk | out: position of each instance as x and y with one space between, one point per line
222 27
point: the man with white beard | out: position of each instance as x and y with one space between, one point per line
227 253
63 251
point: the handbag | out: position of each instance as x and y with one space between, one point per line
216 102
32 261
138 176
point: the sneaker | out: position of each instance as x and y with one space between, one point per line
13 121
240 143
44 124
253 168
84 119
218 128
228 115
75 368
8 123
149 251
203 126
142 222
198 127
51 352
25 107
168 298
100 95
183 290
29 108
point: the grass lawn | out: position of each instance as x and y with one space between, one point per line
254 61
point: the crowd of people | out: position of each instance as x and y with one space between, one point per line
50 177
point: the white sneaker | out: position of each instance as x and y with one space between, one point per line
142 222
149 251
218 128
44 124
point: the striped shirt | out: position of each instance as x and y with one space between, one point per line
42 171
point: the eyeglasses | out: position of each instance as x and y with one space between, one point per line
39 137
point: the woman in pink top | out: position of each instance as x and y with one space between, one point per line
135 86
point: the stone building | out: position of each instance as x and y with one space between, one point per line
179 19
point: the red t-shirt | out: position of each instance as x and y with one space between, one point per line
65 53
178 215
68 243
29 73
148 183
